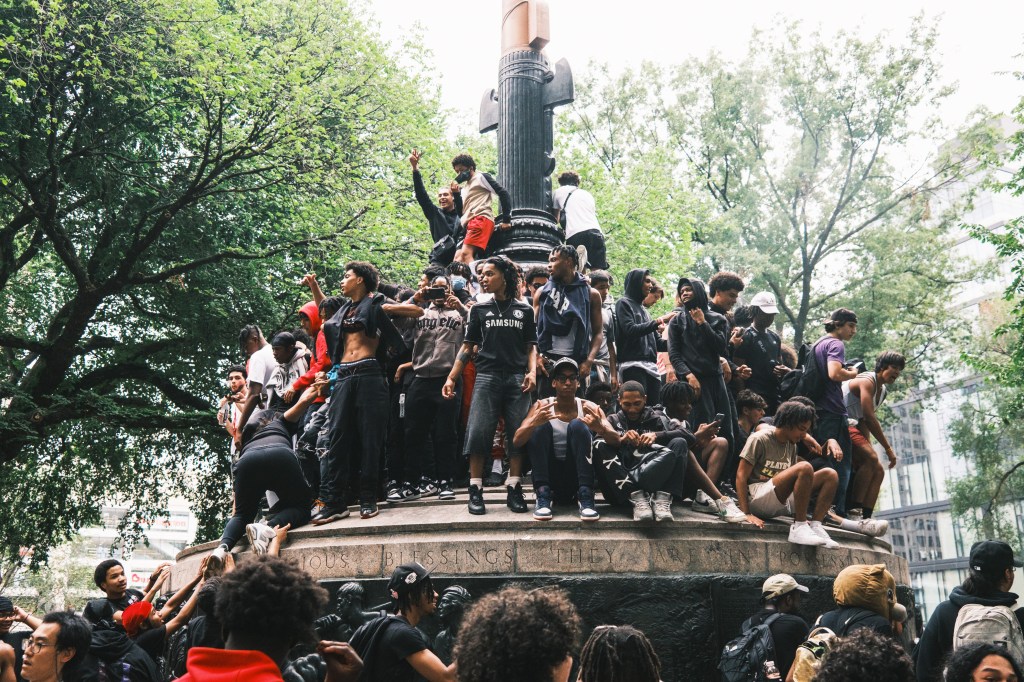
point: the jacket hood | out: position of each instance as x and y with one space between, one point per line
700 294
110 645
634 285
960 598
312 311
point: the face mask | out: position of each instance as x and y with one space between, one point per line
462 177
458 283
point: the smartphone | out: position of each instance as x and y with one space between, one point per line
435 294
719 417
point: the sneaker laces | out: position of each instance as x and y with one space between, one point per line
663 506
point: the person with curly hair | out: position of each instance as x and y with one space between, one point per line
518 635
503 335
619 653
478 219
983 662
866 655
264 607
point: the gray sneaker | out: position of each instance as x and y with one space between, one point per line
662 504
642 510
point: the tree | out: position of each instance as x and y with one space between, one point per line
167 172
799 145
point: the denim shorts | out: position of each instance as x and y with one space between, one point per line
495 394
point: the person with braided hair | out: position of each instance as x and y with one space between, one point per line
617 653
503 335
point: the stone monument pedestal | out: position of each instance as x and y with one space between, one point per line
687 584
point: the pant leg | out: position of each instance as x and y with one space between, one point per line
667 472
611 475
484 411
258 470
515 407
831 425
396 452
579 453
446 431
371 429
541 449
341 442
651 383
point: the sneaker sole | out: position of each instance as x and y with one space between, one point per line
590 518
702 509
542 518
252 537
368 515
446 496
332 518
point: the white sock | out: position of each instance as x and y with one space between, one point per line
847 524
797 524
478 482
815 524
512 481
496 466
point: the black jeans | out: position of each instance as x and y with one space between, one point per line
358 425
566 475
428 413
651 383
273 467
612 466
597 256
832 425
397 453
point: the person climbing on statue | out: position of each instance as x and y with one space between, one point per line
477 212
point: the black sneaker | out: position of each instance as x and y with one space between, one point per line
329 513
407 493
494 479
445 490
476 500
393 490
515 500
368 509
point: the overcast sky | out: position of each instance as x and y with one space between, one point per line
978 39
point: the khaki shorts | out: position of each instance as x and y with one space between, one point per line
765 504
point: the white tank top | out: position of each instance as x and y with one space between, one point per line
853 401
560 430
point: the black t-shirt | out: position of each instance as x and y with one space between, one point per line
15 639
503 331
105 608
758 350
399 641
152 641
788 632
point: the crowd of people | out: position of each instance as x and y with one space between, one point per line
259 621
485 373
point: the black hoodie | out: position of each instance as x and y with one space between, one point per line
636 334
937 639
112 655
695 348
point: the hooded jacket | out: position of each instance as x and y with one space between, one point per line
442 223
561 307
373 321
111 652
320 361
652 421
636 334
230 665
695 348
937 639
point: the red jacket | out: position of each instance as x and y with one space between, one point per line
321 360
224 665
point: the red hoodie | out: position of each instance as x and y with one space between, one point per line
321 360
227 665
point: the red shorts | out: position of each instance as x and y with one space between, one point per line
478 232
858 438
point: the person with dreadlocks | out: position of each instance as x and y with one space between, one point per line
503 335
617 653
391 647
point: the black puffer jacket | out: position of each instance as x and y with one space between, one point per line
636 334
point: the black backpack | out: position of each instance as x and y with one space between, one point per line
743 658
808 379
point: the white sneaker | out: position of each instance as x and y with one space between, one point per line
802 534
662 504
875 528
820 531
729 511
641 506
704 504
260 536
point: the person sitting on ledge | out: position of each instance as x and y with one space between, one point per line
651 464
557 437
771 482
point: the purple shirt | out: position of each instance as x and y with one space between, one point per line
827 349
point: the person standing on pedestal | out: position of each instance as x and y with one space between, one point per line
569 319
503 335
576 211
636 335
443 217
477 214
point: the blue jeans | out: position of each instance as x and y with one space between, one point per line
566 475
495 394
832 425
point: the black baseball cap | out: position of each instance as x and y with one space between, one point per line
405 578
992 557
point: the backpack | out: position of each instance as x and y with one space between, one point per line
997 625
808 379
811 653
743 658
